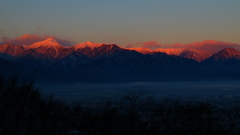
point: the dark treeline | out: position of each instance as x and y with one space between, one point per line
23 111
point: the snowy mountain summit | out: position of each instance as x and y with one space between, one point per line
48 43
87 44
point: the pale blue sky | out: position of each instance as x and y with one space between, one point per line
123 21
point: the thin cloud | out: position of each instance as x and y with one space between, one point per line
25 39
129 46
149 44
210 45
5 38
63 42
39 27
28 39
175 45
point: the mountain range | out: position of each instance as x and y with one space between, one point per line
48 61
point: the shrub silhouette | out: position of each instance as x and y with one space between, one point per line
23 110
137 114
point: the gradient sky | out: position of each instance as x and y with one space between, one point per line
123 21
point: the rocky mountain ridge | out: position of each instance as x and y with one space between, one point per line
109 62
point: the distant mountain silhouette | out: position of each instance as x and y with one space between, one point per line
108 62
225 54
225 63
197 55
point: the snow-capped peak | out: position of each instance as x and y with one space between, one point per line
228 53
86 44
50 42
230 50
170 51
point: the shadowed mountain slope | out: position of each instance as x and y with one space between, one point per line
109 62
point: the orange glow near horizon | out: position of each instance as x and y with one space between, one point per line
206 45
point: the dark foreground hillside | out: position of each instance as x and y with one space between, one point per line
23 111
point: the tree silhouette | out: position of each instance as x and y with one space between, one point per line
24 111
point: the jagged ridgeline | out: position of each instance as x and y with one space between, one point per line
48 60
